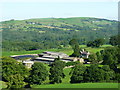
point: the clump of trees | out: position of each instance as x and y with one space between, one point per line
56 72
96 43
75 46
77 73
95 58
14 73
115 40
108 56
92 73
111 56
38 74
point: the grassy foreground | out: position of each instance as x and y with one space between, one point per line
81 85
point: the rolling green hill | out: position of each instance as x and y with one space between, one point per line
47 33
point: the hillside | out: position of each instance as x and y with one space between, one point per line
46 33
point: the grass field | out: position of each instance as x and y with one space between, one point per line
66 80
81 85
2 85
8 53
67 50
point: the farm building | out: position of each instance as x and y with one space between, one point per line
28 63
53 54
84 54
44 60
48 57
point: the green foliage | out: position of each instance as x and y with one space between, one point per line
99 57
73 43
117 77
15 81
76 52
93 58
72 63
77 74
111 57
108 73
94 74
75 46
50 33
13 73
56 72
38 73
114 40
96 43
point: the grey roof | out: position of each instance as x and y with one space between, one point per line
42 58
55 53
28 62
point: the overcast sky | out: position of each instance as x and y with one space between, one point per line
26 9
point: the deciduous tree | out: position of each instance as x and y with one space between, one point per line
77 73
56 72
38 74
13 73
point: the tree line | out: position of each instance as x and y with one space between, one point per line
29 45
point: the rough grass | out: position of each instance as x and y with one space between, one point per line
2 85
66 80
81 85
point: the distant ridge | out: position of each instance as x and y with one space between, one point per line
55 32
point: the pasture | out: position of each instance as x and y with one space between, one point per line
67 50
